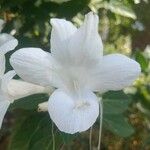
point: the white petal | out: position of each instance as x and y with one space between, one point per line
34 65
42 107
4 104
77 47
19 89
85 46
69 114
62 30
7 43
115 72
5 81
83 49
2 64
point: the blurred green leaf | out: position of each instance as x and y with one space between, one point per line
34 132
116 95
30 102
115 104
118 124
146 142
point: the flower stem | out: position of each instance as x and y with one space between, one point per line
53 136
90 139
100 126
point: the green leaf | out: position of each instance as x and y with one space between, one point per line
34 132
118 124
115 104
24 130
68 137
146 142
116 95
30 102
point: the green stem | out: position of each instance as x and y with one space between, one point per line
90 139
100 126
53 136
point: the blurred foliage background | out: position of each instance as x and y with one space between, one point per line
125 28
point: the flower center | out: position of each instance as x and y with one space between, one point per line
80 104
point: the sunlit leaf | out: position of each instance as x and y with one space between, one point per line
115 7
58 1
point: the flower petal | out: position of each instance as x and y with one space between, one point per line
71 115
19 89
62 30
5 81
3 108
36 66
7 43
78 47
85 45
83 49
115 72
2 65
42 107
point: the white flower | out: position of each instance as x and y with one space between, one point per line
77 68
11 90
7 43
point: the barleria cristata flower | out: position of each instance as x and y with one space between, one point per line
7 43
77 68
11 89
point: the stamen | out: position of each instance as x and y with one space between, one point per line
76 86
80 104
